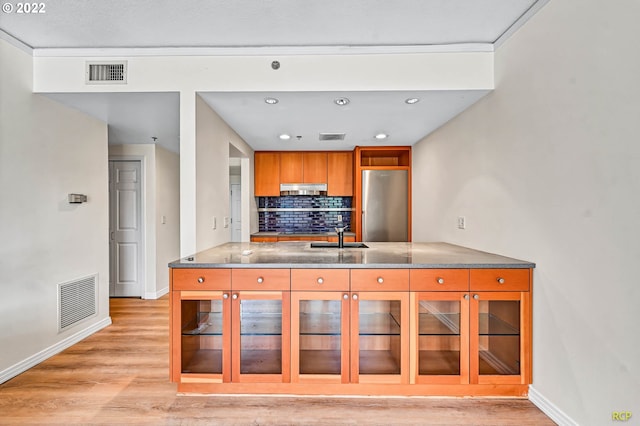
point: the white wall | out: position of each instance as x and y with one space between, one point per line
167 205
213 137
46 152
546 168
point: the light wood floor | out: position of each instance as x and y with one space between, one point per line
120 376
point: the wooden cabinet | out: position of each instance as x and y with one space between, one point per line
320 326
466 336
351 331
340 174
303 167
267 174
236 335
314 167
342 336
289 237
335 168
379 326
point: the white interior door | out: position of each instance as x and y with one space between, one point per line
125 229
236 209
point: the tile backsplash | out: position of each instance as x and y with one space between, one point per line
302 214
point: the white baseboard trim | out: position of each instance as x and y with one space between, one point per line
547 407
156 295
44 354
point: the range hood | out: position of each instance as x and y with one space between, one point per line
303 189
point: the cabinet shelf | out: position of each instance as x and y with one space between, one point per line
320 324
439 362
204 361
491 325
379 324
320 361
263 324
439 324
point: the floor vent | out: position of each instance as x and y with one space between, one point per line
106 72
77 301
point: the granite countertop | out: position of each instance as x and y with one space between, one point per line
378 255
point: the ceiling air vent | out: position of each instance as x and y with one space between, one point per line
106 72
332 136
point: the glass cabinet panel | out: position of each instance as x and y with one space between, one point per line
260 336
439 339
320 336
499 337
201 331
379 336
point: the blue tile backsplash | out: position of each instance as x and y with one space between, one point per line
317 221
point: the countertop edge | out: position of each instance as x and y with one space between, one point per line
524 265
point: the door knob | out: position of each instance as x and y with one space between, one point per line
440 280
200 280
320 280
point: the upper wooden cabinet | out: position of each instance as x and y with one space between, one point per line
334 168
291 166
303 167
314 167
267 174
340 173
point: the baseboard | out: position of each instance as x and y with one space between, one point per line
36 359
547 407
156 295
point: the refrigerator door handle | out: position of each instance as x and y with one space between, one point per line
363 227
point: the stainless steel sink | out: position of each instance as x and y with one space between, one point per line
336 245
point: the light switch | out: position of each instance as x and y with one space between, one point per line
213 223
163 219
226 221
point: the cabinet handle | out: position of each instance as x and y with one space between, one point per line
355 297
466 297
225 296
320 280
260 280
440 280
476 297
200 280
345 296
380 280
500 280
235 296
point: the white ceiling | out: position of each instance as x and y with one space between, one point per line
289 25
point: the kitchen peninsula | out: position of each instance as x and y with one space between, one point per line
390 319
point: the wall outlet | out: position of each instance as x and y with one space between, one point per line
339 218
461 222
163 219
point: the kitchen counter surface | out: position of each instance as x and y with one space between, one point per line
378 255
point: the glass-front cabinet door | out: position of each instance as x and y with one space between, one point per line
499 335
442 344
204 321
379 337
320 337
260 339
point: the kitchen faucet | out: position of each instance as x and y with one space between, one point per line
340 230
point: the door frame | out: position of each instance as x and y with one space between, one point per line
143 218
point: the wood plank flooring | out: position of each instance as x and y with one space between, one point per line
120 376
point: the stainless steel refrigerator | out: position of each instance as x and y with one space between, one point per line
385 209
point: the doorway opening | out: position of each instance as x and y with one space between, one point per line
126 225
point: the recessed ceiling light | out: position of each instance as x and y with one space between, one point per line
381 136
412 101
341 101
271 101
285 137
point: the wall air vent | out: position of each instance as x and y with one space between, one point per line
332 136
106 72
77 301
